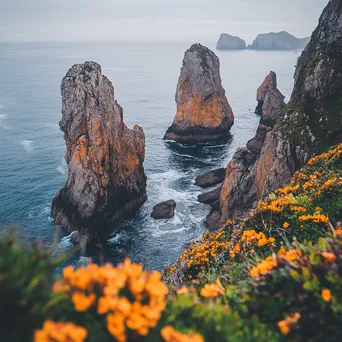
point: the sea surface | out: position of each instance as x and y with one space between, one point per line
144 75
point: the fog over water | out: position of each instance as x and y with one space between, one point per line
178 20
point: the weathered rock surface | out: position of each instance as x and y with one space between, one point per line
309 124
278 41
106 179
211 178
203 112
228 42
270 100
211 197
164 210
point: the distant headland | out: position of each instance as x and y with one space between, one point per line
265 41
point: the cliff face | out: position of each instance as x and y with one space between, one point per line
228 42
278 41
106 179
239 190
311 122
203 112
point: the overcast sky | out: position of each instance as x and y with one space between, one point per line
202 20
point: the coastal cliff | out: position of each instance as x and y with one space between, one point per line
309 124
278 41
106 179
237 189
203 112
228 42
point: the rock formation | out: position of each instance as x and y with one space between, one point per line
211 197
228 42
211 178
270 100
106 179
164 210
278 41
309 124
203 112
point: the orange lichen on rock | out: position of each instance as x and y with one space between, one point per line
200 112
81 149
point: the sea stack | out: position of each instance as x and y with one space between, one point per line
203 112
106 179
270 100
228 42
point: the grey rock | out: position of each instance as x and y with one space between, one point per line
164 210
210 197
228 42
211 178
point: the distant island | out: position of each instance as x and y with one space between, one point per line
228 42
265 41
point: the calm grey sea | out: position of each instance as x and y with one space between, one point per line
144 75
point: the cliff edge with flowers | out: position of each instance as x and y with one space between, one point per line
275 276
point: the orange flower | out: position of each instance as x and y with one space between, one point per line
326 295
82 302
212 290
330 257
60 332
169 334
183 290
289 322
286 225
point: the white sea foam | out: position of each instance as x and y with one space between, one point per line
82 261
27 144
158 233
65 243
2 117
114 239
61 170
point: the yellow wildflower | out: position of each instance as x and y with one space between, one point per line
212 290
60 332
326 295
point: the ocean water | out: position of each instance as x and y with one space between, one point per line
144 75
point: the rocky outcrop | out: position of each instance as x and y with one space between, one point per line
203 112
211 197
278 41
211 178
164 210
228 42
309 124
106 179
270 100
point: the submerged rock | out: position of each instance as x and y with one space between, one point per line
228 42
211 178
278 41
308 125
203 112
106 179
164 210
